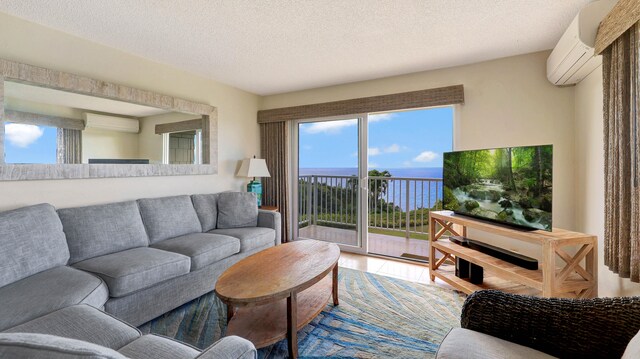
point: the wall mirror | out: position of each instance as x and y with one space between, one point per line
62 125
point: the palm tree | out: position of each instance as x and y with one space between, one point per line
378 187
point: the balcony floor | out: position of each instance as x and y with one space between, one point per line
378 243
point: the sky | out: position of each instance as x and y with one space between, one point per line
30 144
409 139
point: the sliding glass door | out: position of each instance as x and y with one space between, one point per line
405 150
368 182
329 176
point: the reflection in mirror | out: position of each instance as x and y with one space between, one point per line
49 126
180 147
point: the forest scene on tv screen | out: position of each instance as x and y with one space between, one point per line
511 185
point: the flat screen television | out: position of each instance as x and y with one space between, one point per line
511 185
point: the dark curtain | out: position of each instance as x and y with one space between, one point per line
69 149
621 136
274 141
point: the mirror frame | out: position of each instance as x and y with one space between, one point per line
58 80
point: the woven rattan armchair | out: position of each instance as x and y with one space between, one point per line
565 328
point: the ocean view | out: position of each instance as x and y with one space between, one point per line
422 193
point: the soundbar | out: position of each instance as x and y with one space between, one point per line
505 255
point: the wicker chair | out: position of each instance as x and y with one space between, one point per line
565 328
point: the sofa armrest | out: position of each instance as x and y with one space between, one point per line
576 328
271 219
231 347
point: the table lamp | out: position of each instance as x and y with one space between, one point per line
254 167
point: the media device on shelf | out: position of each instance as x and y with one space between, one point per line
511 185
500 253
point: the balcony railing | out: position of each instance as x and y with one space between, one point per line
396 204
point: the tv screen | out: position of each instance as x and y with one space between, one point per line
511 185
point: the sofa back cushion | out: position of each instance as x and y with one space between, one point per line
633 349
237 210
31 241
207 209
169 217
104 229
35 346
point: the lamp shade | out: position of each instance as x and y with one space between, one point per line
253 167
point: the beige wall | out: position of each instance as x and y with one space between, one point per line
105 144
238 133
150 143
508 102
589 202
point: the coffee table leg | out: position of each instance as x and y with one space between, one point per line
230 312
292 324
335 285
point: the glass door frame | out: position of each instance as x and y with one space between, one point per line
363 188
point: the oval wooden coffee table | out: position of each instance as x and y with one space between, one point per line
274 293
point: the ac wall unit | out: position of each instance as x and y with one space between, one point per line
574 58
111 123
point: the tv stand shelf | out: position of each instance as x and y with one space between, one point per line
561 274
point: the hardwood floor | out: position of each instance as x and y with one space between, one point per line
412 272
378 243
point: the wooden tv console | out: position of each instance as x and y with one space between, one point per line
561 273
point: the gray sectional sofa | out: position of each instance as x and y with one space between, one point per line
135 260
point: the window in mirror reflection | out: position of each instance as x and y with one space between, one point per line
182 148
30 144
48 126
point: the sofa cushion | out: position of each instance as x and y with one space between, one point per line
237 210
98 230
251 237
468 344
633 349
203 248
44 346
82 322
169 217
157 347
31 241
135 269
230 347
207 209
49 291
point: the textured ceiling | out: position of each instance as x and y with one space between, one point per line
275 46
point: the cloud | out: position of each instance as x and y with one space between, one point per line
21 135
426 156
329 127
375 151
334 127
373 164
381 117
392 149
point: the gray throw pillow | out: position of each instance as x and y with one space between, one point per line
237 210
36 346
31 241
207 210
168 217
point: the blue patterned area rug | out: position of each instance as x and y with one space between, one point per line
378 317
